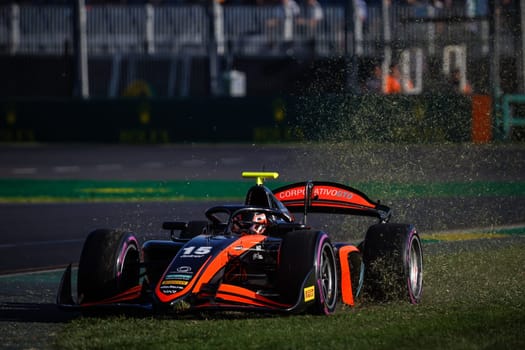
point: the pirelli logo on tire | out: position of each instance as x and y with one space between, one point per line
309 293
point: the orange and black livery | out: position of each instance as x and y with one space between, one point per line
253 256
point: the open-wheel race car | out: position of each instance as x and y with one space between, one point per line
253 256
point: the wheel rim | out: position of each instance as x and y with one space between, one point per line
415 268
127 265
328 285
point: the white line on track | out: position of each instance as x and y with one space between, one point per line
39 243
36 271
24 171
66 169
109 167
152 165
231 161
193 163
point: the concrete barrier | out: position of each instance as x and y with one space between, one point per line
249 119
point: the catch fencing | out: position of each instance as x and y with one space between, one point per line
247 30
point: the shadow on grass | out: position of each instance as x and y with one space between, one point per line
34 312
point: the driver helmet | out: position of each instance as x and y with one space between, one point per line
249 223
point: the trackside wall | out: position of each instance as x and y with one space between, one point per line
249 119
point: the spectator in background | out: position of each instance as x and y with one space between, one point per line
394 82
476 8
455 82
362 10
361 23
291 7
288 11
374 83
313 14
280 28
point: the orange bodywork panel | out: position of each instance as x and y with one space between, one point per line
236 249
130 294
242 295
346 281
212 266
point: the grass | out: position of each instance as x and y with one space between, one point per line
50 191
473 299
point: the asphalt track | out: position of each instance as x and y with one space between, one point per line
36 234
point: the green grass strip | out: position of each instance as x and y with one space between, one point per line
471 300
92 190
445 189
25 190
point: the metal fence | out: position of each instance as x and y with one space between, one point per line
243 30
162 44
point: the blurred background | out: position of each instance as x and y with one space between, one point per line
164 71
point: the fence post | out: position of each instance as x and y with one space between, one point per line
431 30
288 23
15 29
213 51
81 87
150 29
351 64
387 37
218 13
522 32
359 17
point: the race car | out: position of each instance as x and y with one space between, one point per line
253 256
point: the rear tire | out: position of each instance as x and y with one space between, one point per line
303 252
393 258
109 265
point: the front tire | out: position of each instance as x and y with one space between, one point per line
393 258
303 253
109 264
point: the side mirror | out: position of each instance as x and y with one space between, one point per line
174 226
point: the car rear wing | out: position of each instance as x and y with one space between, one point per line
329 197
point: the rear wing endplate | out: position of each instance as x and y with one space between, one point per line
329 197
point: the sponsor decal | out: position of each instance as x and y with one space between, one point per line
174 282
184 269
165 290
309 293
195 252
257 255
178 276
323 192
172 286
